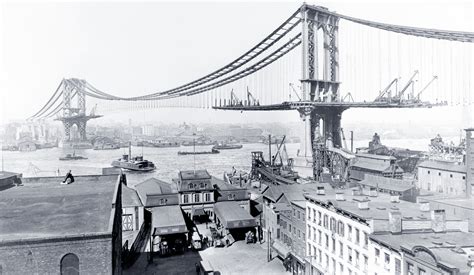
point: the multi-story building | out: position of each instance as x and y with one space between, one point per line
378 165
442 177
338 228
298 247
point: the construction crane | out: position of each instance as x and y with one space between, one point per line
384 91
426 86
399 96
251 99
294 90
278 150
234 100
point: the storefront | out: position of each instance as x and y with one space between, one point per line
234 219
169 231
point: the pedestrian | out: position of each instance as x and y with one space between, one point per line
69 178
198 269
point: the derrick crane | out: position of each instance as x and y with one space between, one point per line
278 150
399 96
384 91
234 100
294 91
251 99
424 88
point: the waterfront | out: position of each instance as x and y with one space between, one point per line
167 160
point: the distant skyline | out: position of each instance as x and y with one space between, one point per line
131 49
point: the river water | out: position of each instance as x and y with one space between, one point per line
45 162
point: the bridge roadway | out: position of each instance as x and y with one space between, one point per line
295 105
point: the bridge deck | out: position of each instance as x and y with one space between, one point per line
311 104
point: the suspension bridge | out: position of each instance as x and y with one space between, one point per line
317 62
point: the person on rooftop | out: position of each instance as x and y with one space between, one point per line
69 178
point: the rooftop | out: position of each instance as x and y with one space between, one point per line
168 220
374 156
374 165
222 185
153 186
43 208
5 175
193 175
387 183
294 192
379 206
444 246
444 166
130 197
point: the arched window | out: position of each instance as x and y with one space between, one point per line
70 264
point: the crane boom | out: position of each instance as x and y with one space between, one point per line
427 85
293 88
410 81
344 138
384 91
279 147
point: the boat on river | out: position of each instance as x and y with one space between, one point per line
227 146
72 156
137 163
213 151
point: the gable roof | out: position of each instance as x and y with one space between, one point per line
153 186
130 197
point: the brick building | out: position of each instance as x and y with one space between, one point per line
48 228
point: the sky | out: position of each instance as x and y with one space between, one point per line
134 48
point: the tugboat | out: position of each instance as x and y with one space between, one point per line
72 157
227 146
133 163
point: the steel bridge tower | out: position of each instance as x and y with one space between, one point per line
324 121
75 115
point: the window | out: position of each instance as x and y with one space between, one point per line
332 225
289 228
314 234
319 237
127 222
299 234
294 212
70 264
340 229
410 269
319 218
202 185
377 255
439 173
450 175
366 263
349 232
333 245
298 213
421 271
163 201
325 221
463 177
341 250
190 185
333 265
387 259
341 269
326 238
357 232
398 267
185 198
197 197
207 197
314 215
320 255
349 254
366 240
428 172
309 214
231 196
357 258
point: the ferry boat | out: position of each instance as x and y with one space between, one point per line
72 156
106 146
133 163
227 146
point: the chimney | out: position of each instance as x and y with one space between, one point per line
438 220
395 222
340 196
320 190
424 206
373 192
355 192
395 198
362 203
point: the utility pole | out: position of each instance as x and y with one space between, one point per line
270 148
194 153
352 141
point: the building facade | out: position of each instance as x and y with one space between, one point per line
442 177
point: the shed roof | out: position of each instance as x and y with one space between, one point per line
43 208
233 216
386 183
168 220
193 175
153 186
130 197
444 166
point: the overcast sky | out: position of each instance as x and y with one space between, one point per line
130 49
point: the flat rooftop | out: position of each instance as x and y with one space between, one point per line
6 175
450 248
42 208
193 175
443 166
379 206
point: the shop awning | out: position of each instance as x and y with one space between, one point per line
231 215
168 220
198 211
281 249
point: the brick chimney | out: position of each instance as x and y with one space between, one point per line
373 192
362 203
340 196
424 206
438 220
395 222
395 198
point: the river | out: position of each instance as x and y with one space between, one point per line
45 162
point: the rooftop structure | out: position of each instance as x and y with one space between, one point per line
374 164
44 208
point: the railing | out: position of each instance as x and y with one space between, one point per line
130 255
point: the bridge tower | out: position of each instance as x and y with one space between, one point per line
75 115
323 122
